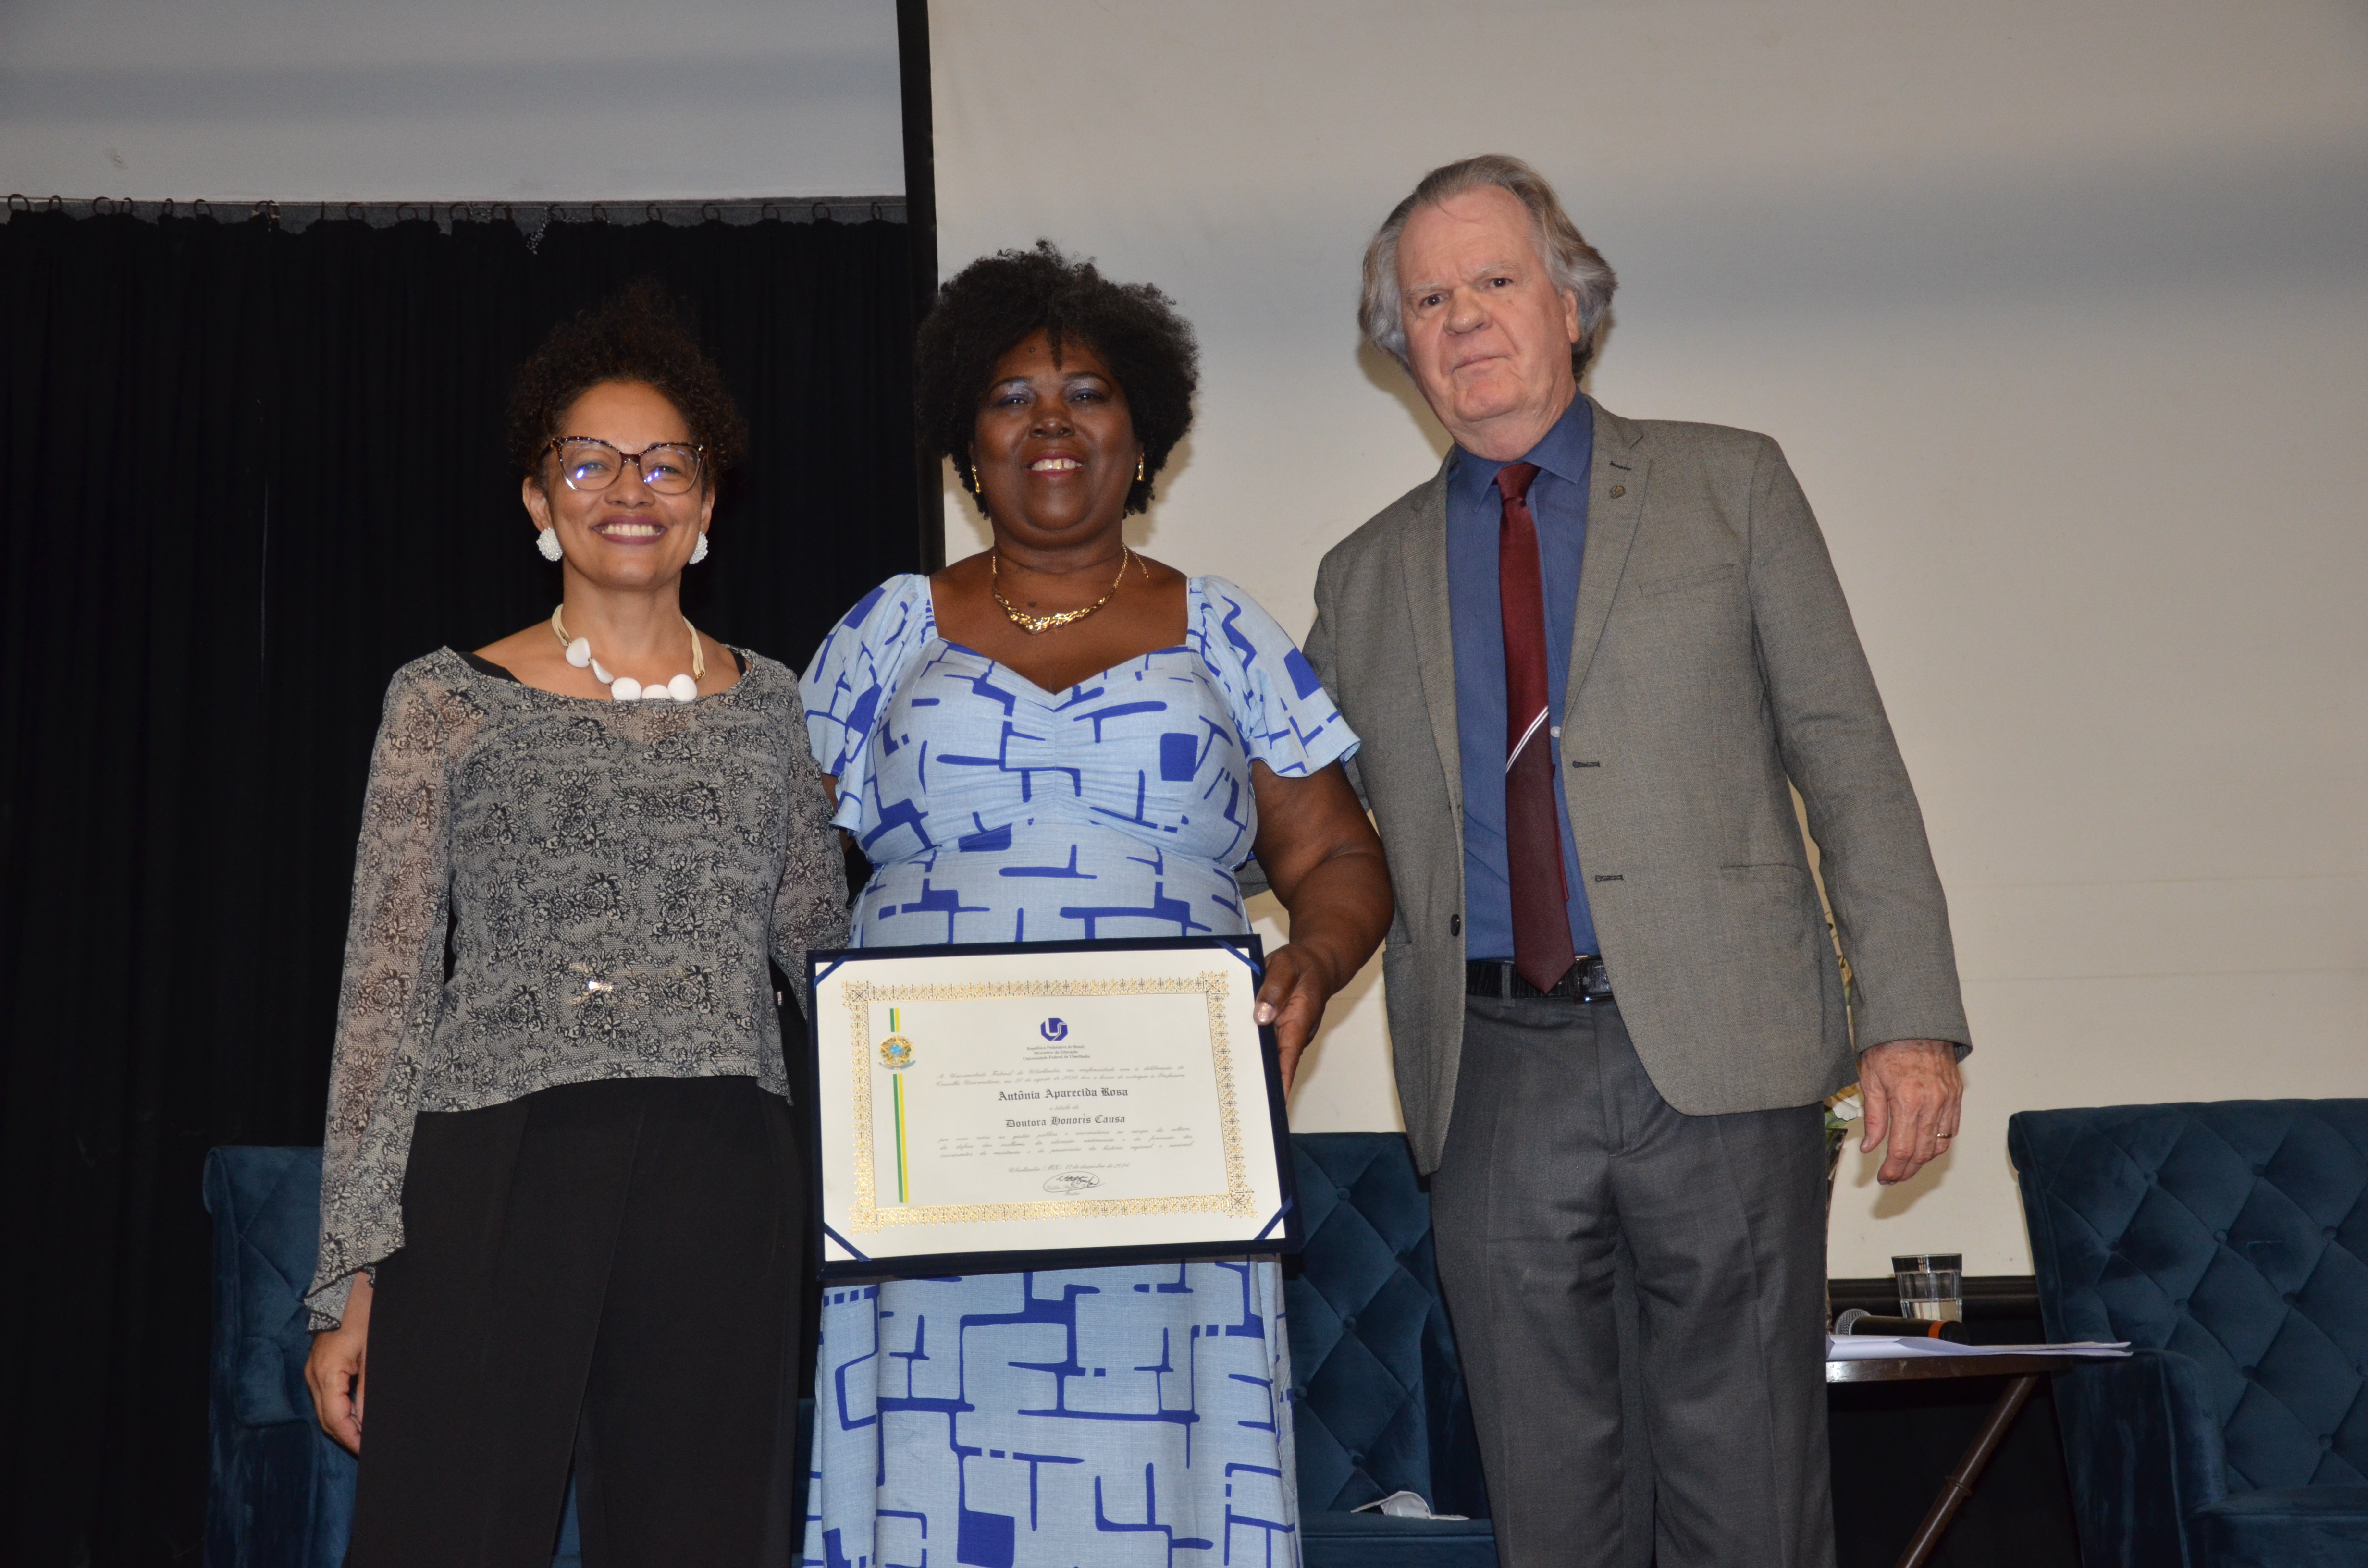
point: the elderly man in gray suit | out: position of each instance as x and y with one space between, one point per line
1590 659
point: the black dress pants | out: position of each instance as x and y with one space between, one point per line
604 1275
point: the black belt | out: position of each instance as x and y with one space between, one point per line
1584 980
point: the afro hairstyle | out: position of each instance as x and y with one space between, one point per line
632 335
1001 300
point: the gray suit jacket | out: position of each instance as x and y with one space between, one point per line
1714 662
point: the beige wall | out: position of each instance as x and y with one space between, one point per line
2062 315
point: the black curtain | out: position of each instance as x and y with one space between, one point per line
247 472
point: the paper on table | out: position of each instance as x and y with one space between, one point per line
1887 1348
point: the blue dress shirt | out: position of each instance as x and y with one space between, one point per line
1558 500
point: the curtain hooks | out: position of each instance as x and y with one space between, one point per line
822 212
402 207
656 213
17 196
710 213
769 211
201 207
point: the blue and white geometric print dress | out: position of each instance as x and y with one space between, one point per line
1095 1417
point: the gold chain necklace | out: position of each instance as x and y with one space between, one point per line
1035 623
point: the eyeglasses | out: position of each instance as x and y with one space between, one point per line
587 463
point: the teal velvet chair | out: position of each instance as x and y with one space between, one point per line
280 1495
2227 1242
1379 1402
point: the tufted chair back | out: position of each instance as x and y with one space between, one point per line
2235 1234
281 1494
1380 1403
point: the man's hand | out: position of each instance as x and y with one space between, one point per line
1913 1094
336 1367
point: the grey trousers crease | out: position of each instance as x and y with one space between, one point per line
1589 1236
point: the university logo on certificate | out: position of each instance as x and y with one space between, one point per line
1047 1105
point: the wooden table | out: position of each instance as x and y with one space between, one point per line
2022 1374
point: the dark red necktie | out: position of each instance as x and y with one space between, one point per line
1542 952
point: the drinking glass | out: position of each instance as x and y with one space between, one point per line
1931 1285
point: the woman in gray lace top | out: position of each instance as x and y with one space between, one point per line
616 876
557 1170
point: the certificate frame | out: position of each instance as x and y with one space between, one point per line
856 1236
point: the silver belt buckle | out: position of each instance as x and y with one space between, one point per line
1594 980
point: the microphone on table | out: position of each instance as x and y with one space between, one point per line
1858 1320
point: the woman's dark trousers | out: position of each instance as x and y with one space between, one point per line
603 1276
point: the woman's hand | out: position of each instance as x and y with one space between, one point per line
334 1370
1297 986
1320 856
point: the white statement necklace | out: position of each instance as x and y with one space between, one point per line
625 688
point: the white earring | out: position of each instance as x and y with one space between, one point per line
699 553
547 542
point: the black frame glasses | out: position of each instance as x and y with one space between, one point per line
694 468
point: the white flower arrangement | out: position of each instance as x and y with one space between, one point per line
1843 1111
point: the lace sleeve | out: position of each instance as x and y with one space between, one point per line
810 908
394 987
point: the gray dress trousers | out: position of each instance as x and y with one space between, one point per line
1572 1202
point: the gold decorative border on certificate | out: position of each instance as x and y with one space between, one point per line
1239 1199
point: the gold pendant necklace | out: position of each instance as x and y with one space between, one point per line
1032 624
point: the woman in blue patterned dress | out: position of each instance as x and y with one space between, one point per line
1060 740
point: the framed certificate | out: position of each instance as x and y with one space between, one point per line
1045 1105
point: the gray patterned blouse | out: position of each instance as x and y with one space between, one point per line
614 875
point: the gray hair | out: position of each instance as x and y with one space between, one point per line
1571 262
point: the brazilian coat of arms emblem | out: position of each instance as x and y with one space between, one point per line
896 1052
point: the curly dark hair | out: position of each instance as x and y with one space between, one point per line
632 335
1000 300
